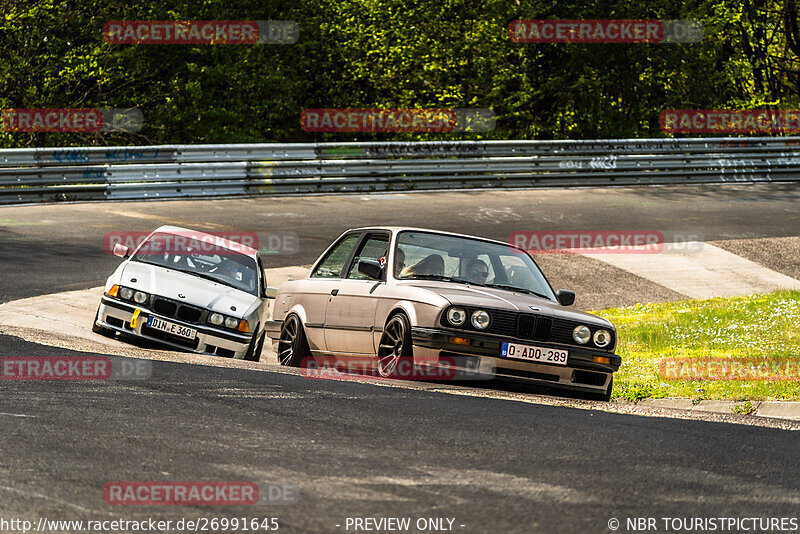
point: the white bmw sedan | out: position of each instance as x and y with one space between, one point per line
188 290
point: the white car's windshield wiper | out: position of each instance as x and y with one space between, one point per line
515 288
208 277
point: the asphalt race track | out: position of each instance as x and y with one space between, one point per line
367 450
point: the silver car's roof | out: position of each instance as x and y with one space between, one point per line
395 229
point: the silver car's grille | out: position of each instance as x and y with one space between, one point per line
528 326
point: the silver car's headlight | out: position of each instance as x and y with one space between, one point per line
456 316
581 334
480 319
125 293
602 338
216 319
140 297
231 322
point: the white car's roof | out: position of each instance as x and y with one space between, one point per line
220 241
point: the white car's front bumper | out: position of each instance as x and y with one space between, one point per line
116 315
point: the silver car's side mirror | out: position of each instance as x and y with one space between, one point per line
565 297
121 250
370 268
271 292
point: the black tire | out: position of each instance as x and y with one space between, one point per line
103 331
395 346
253 353
292 343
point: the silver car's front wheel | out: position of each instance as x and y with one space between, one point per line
395 345
292 345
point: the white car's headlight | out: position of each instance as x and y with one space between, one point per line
216 319
125 293
456 316
581 334
602 338
231 322
140 297
480 319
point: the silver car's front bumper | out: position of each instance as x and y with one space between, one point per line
117 315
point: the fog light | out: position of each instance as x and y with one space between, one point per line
472 362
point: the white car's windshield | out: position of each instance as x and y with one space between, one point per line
425 255
221 265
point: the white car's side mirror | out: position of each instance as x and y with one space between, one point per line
121 250
272 292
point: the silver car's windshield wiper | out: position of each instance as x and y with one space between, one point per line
515 288
442 278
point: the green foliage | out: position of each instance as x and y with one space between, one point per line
391 53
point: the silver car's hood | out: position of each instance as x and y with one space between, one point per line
197 291
477 296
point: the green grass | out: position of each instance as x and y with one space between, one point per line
758 327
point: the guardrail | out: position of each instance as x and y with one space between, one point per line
189 171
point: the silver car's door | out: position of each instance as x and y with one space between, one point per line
350 314
324 280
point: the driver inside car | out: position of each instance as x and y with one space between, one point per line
477 271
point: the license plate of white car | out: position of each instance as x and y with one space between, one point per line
171 328
533 353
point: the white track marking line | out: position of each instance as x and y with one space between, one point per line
706 272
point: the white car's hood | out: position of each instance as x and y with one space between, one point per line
187 288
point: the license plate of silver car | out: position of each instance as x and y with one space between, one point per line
533 353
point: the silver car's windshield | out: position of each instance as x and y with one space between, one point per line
430 256
219 264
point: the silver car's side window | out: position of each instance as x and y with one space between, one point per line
332 265
374 248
